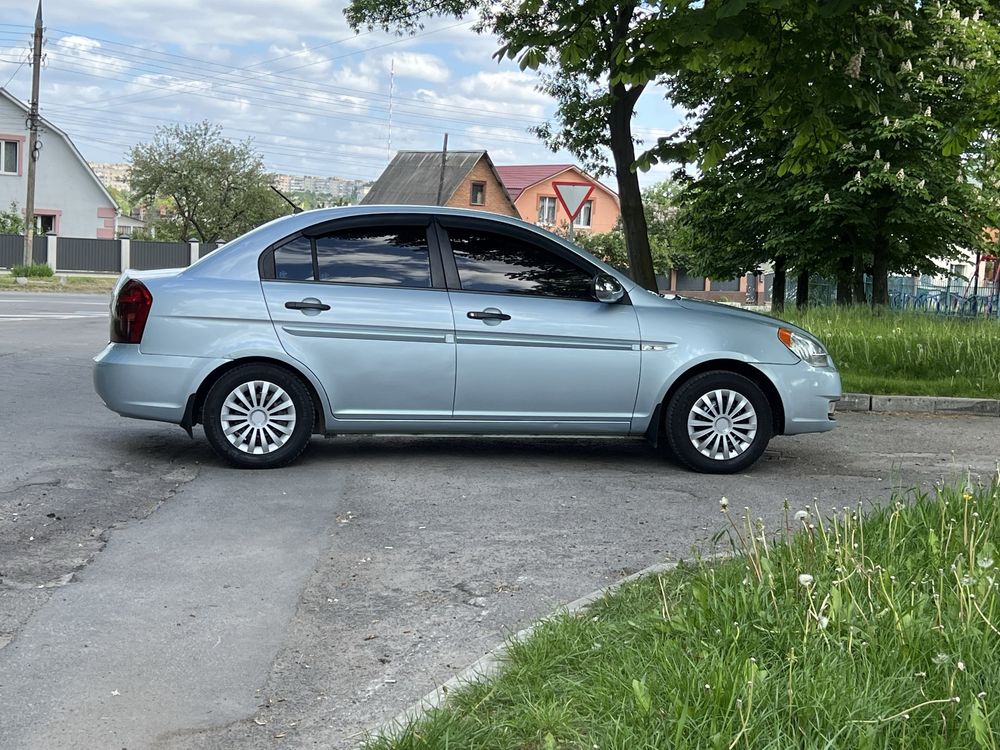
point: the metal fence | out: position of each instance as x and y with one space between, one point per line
956 296
102 256
12 250
79 254
147 256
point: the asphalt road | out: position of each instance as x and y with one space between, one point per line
151 597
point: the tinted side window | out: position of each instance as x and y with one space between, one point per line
489 262
387 256
294 260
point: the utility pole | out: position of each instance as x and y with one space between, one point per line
29 203
444 161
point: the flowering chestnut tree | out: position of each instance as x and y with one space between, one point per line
896 170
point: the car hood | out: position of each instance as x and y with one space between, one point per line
722 312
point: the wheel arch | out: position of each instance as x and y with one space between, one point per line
193 410
726 365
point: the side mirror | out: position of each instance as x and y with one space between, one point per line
607 289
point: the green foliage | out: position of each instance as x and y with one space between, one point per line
667 247
122 199
11 220
35 270
899 170
219 189
842 629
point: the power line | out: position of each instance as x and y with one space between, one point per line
298 108
142 63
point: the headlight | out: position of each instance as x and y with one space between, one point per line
804 348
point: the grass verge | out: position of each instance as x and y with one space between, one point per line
875 631
908 353
89 284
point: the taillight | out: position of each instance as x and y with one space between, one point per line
129 313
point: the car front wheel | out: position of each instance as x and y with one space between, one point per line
719 423
258 416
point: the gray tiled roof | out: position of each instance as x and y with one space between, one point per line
413 177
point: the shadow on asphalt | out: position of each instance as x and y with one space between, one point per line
336 452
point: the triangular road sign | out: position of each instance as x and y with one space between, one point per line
572 196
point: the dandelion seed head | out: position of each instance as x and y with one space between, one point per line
805 579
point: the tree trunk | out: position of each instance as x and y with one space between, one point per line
860 297
778 285
802 290
640 259
844 290
880 274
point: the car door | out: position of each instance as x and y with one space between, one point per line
363 304
533 344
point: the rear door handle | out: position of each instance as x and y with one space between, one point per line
487 315
307 305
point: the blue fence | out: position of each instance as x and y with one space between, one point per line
956 296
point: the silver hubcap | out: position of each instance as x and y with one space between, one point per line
722 424
258 417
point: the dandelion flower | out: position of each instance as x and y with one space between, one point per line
805 579
801 515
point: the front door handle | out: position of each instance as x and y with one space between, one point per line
307 304
487 315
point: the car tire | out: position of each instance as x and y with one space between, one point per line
258 416
718 422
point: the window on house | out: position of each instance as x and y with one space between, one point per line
547 210
8 157
45 223
477 194
583 218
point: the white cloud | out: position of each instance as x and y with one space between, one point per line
417 65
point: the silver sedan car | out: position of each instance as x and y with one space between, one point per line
405 319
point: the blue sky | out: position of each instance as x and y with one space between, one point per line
313 95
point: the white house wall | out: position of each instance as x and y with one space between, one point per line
63 184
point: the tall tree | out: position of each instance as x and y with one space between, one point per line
884 179
219 188
603 68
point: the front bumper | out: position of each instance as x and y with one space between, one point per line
148 386
809 395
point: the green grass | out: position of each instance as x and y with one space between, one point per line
892 353
90 284
891 642
34 270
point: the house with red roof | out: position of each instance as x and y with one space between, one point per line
531 188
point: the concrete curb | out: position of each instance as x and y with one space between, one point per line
489 664
919 404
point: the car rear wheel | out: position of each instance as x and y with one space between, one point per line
719 423
258 416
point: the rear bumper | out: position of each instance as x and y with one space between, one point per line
148 386
808 394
